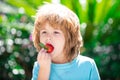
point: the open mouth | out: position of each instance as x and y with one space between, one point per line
49 47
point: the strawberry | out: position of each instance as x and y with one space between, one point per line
48 47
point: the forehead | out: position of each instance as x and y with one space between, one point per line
49 26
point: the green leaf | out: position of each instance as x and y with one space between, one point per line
43 46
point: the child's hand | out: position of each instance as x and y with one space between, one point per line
44 60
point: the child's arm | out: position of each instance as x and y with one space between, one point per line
44 60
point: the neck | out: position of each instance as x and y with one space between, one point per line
59 60
62 59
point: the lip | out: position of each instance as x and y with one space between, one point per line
50 44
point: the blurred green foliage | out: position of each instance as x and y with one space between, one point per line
100 27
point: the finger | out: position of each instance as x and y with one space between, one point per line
39 56
48 56
42 50
44 54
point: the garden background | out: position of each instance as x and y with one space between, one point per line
100 27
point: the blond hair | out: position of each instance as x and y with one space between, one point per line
58 16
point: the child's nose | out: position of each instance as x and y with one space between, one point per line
49 38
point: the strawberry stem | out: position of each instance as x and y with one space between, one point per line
43 46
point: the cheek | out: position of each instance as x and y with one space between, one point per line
42 39
60 44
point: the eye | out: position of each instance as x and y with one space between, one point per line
43 32
56 32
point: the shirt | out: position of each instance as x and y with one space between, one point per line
81 68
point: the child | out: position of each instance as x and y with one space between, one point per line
58 26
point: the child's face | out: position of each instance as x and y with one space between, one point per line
55 37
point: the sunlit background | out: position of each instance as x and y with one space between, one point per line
100 27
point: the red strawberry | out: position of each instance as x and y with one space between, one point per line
48 47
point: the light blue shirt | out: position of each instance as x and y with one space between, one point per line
81 68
